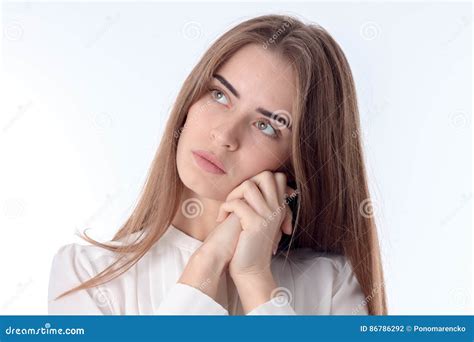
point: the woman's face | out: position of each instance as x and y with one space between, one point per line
244 120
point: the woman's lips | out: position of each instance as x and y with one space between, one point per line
206 165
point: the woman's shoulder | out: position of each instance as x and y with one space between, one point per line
79 252
79 262
85 256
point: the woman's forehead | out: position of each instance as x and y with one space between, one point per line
261 76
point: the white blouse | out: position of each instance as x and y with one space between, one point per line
309 283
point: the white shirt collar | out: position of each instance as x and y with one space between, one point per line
180 239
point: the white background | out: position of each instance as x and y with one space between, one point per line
87 89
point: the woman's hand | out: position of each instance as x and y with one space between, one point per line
261 206
209 262
221 242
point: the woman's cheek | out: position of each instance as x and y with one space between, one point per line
206 113
268 156
199 117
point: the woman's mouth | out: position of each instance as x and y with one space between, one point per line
202 160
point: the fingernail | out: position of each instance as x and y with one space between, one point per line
274 251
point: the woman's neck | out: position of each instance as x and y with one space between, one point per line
196 215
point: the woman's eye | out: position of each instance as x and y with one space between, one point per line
265 126
219 96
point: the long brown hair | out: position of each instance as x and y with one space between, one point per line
327 163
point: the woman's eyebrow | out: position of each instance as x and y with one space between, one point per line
274 116
261 110
227 85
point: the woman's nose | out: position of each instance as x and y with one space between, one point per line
226 134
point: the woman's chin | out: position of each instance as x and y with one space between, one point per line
206 189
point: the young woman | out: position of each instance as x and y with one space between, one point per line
261 154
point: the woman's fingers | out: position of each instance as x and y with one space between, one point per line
277 241
280 179
290 192
267 184
249 191
223 239
265 193
287 226
241 209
